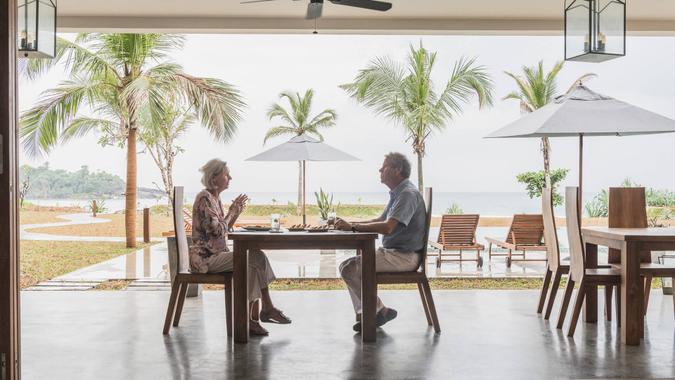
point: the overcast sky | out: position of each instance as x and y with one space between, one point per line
458 159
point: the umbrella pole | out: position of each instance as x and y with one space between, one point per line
581 175
304 221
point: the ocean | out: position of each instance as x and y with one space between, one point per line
486 204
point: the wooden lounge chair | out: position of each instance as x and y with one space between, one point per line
458 234
418 276
187 221
187 224
183 278
525 234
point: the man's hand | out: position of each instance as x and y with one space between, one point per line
342 224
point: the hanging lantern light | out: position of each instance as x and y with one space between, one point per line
37 28
595 30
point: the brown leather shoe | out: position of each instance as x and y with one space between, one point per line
255 329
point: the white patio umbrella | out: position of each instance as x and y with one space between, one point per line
303 148
582 112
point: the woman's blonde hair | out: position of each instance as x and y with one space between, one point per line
211 170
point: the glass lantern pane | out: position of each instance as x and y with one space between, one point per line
47 27
611 26
21 25
28 25
577 19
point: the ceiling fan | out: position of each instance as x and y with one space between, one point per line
315 7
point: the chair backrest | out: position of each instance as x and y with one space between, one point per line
183 264
577 256
627 207
458 229
550 232
526 229
428 199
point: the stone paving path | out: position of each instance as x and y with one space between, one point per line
71 220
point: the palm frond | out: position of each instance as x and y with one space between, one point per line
81 126
218 104
278 111
42 124
279 131
325 119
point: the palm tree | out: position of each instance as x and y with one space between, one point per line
117 76
297 121
535 90
406 95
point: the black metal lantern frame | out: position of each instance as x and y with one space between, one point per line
37 28
595 30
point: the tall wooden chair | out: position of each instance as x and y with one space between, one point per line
553 264
418 276
525 234
579 273
458 233
628 209
183 276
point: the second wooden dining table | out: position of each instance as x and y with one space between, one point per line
631 242
363 243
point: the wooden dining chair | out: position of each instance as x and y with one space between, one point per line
458 233
183 276
554 267
579 273
628 209
418 276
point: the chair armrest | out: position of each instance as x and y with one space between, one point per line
436 245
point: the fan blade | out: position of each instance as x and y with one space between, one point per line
366 4
254 1
314 10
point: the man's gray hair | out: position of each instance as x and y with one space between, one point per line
210 171
399 161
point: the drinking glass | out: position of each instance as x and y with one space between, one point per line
331 219
274 222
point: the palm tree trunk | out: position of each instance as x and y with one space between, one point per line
420 174
299 208
545 150
130 195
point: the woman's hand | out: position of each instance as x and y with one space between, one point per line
238 204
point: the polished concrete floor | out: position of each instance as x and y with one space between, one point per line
486 335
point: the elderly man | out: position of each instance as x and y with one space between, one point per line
402 226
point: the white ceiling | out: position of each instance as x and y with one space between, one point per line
425 16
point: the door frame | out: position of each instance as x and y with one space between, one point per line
9 233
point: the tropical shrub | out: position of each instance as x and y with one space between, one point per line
535 182
598 207
325 203
454 209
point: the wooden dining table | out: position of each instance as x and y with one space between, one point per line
244 241
631 242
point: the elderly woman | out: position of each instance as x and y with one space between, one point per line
209 252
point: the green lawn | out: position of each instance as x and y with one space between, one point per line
44 260
435 283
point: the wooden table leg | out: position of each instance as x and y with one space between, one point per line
631 294
240 304
368 292
591 299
